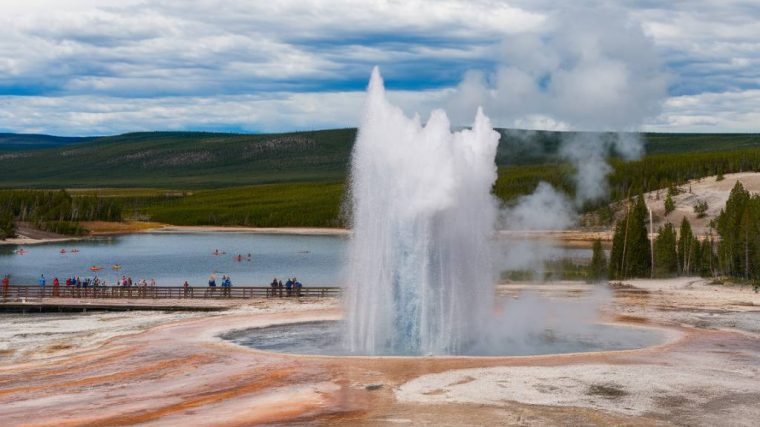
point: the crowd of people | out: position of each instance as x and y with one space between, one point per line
92 286
76 286
291 287
226 285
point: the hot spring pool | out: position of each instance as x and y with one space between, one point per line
326 338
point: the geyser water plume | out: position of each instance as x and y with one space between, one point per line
419 277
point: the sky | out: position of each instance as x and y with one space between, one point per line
97 67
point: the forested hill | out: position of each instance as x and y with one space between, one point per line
183 160
215 160
29 141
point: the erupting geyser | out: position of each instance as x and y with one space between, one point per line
419 278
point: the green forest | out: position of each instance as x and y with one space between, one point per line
733 251
293 179
54 211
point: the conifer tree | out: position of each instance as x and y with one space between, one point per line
598 269
752 238
670 206
616 254
631 253
707 258
685 248
7 226
640 254
665 257
731 249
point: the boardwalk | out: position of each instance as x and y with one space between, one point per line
31 293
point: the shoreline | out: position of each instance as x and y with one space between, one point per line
571 237
310 231
188 229
23 240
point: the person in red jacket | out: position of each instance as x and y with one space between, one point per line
6 283
56 283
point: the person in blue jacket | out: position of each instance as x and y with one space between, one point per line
288 287
298 286
42 282
227 284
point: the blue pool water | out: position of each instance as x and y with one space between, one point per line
327 338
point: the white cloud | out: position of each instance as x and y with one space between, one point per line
166 56
737 111
271 112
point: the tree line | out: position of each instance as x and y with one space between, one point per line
629 177
733 251
55 211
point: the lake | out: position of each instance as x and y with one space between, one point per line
172 258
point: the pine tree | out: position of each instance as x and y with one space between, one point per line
7 226
640 254
631 253
685 248
731 249
665 257
707 258
752 237
616 254
598 269
670 206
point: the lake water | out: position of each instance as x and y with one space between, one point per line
172 258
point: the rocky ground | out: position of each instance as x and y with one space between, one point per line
171 368
711 190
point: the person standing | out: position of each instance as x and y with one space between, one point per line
273 285
41 281
56 283
212 284
226 284
186 288
6 285
298 287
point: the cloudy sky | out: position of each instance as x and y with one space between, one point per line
87 67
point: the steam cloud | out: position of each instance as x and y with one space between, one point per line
589 71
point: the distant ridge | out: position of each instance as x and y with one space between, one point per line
216 160
30 141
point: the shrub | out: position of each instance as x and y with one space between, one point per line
701 209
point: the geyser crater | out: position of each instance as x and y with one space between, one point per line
327 338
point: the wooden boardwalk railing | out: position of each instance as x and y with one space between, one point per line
17 293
